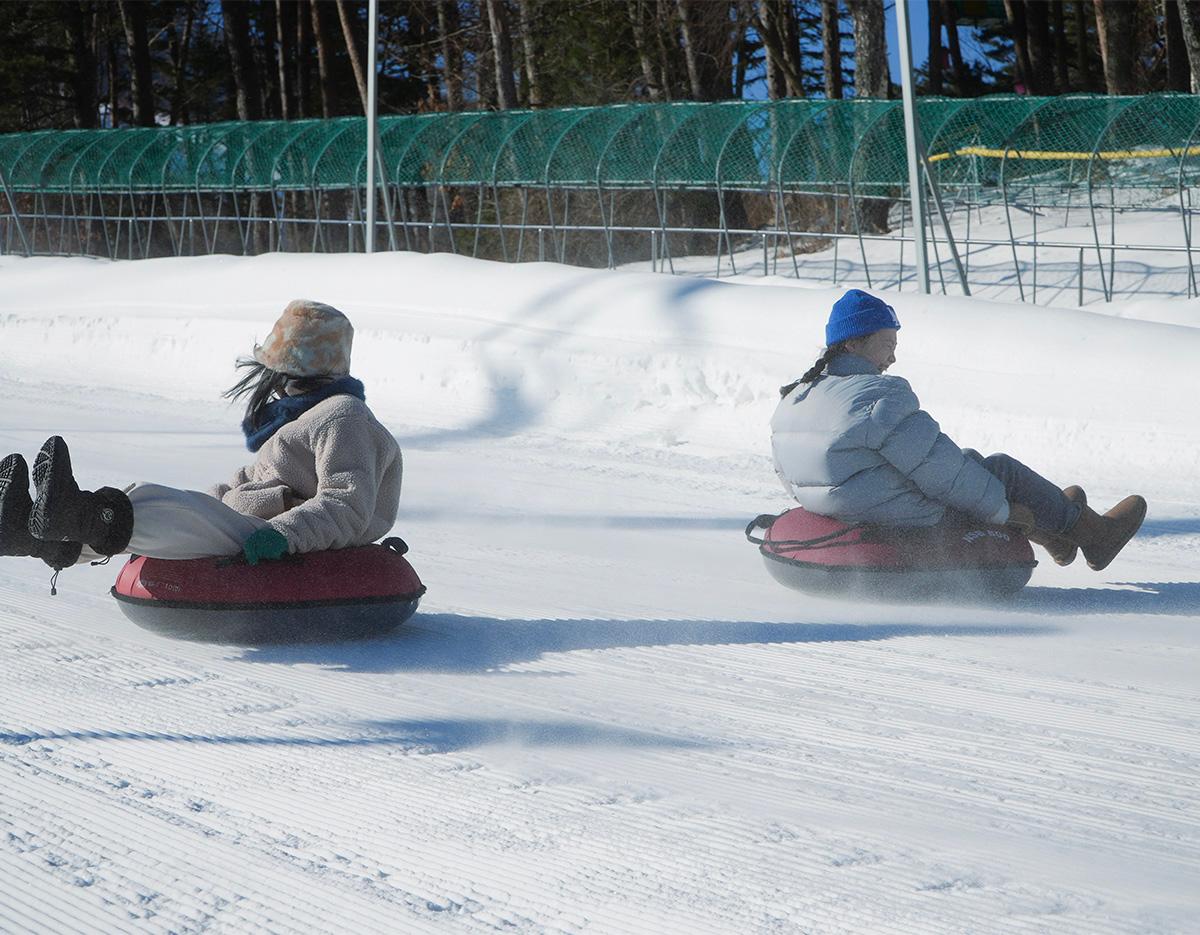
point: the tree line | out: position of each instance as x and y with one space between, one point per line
93 63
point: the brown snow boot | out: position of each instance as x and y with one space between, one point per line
1062 550
1102 537
101 519
15 504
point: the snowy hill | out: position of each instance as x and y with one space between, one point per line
606 717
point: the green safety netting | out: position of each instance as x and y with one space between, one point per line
967 151
577 154
981 149
820 154
879 165
691 155
473 155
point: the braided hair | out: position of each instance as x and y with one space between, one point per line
816 369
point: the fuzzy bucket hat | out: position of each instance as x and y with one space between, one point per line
311 339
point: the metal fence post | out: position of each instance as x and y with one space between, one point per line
653 250
541 245
1080 277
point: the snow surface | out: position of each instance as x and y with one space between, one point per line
605 717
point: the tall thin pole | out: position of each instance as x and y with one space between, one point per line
372 17
910 140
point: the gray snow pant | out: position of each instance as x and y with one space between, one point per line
172 523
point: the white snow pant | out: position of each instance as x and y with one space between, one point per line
172 523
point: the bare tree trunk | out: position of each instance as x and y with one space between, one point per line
506 87
303 81
133 17
113 72
179 57
870 49
831 45
245 75
483 64
268 104
1083 58
83 64
1062 74
1041 51
424 54
935 47
663 28
684 10
739 75
870 80
637 20
283 15
447 11
771 21
950 15
1114 26
1189 21
321 37
525 21
360 77
789 30
1178 77
1016 21
776 80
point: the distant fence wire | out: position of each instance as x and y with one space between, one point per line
603 186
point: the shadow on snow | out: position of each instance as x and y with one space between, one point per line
454 643
420 736
1178 598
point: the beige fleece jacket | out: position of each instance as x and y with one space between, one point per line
327 480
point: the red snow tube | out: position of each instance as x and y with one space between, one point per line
316 596
958 558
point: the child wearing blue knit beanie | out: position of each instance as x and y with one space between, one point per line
854 444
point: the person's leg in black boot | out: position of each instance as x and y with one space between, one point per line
100 519
15 506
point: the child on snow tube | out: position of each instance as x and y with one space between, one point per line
326 476
853 444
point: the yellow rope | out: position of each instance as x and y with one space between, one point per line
1048 154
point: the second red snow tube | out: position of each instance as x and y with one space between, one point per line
316 596
958 557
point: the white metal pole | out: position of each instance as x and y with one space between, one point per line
372 16
910 139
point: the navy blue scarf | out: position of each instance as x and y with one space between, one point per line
278 413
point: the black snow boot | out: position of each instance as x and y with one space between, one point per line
101 519
15 505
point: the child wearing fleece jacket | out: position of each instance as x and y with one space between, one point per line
326 473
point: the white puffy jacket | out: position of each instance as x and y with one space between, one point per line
856 445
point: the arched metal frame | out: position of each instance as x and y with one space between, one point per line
63 183
1045 105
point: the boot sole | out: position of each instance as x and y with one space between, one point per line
15 506
41 517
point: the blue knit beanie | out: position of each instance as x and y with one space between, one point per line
857 314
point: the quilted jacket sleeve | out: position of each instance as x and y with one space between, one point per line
910 440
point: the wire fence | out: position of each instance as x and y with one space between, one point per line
600 186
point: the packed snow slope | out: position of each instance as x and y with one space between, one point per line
605 717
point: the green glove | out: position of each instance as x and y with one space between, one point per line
266 544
